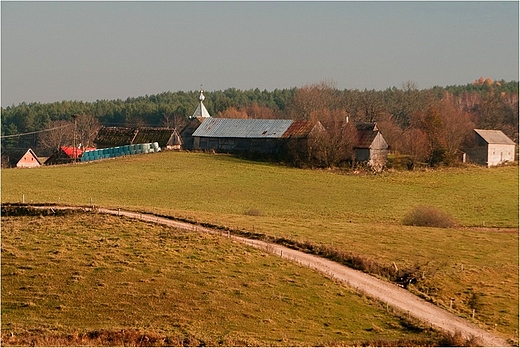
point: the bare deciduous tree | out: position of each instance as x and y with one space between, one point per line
87 127
313 98
371 106
60 135
174 121
414 142
338 145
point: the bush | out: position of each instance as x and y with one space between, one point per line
428 216
456 339
253 212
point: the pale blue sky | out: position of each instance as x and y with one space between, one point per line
53 51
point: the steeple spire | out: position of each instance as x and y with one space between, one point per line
201 96
201 109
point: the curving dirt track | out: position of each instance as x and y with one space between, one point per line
386 292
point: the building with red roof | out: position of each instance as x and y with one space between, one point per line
66 154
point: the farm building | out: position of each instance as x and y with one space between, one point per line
371 147
11 157
115 136
286 138
490 148
167 138
175 142
244 135
186 133
20 159
251 135
28 160
239 135
66 154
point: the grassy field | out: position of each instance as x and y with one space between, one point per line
84 273
223 185
476 263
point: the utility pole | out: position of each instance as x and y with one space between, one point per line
75 150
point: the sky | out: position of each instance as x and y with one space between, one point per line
55 51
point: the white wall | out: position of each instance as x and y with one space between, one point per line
498 153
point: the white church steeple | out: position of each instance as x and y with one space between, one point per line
201 109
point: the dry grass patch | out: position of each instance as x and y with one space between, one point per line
123 282
359 216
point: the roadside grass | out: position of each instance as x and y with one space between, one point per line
475 263
456 263
81 277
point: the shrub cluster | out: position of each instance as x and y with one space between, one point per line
253 212
429 217
456 339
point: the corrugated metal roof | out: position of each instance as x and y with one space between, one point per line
242 128
494 137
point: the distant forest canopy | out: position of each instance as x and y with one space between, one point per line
485 103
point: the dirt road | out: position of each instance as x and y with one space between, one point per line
396 297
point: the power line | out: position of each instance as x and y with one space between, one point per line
36 132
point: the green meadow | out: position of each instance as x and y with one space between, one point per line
475 263
70 275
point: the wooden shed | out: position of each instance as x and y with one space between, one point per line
371 147
490 148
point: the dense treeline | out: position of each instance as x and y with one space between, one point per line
407 116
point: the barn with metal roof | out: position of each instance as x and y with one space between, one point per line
298 141
490 148
250 135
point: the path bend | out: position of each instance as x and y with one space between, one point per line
391 294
